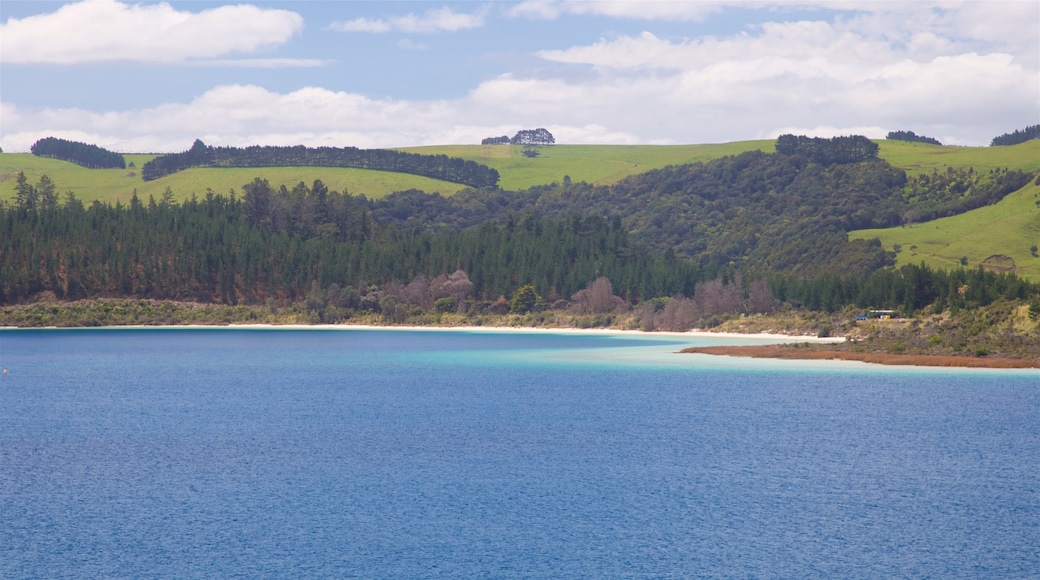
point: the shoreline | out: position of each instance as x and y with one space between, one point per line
781 352
695 333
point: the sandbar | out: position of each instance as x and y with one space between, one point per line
777 351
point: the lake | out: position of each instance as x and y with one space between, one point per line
187 453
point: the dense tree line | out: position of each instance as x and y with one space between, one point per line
442 167
851 149
906 290
1017 136
83 154
223 249
911 137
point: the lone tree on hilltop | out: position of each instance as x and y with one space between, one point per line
538 136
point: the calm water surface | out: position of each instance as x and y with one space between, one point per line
373 454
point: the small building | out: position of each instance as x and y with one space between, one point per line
881 314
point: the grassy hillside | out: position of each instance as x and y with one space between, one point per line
112 185
1008 228
599 164
924 158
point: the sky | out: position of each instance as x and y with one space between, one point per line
153 77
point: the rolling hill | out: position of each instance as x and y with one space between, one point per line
1008 228
998 236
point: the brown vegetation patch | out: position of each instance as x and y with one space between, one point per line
999 263
789 352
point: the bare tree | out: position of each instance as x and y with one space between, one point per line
760 297
680 314
598 297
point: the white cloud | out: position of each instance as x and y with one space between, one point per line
948 76
434 20
642 10
107 30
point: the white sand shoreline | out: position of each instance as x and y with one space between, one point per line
486 329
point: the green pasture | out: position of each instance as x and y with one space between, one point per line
1008 228
599 164
112 185
923 158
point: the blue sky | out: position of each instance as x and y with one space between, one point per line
155 76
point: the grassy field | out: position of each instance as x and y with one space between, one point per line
599 164
112 185
1008 228
923 158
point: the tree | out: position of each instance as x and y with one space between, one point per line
539 136
598 298
524 300
47 194
25 194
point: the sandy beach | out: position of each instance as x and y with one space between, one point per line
496 329
782 352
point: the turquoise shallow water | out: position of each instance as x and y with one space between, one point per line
330 453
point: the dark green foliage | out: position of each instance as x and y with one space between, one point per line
762 211
503 140
911 137
908 289
90 156
441 167
524 300
539 136
1017 136
275 245
852 149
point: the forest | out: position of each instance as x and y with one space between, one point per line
441 167
758 211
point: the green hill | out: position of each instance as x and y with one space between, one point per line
1001 233
998 236
112 185
923 158
598 164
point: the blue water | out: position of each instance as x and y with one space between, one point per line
373 454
